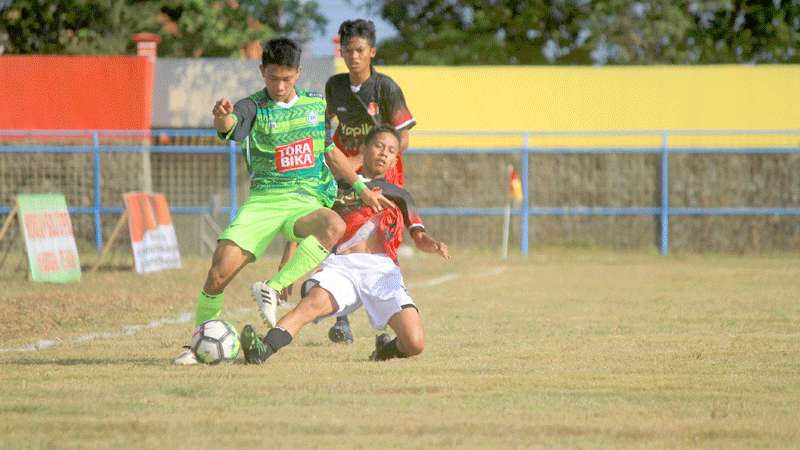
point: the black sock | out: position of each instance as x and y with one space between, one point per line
390 351
277 338
343 319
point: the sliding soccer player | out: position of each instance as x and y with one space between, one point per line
364 269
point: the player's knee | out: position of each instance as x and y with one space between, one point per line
414 344
315 304
335 227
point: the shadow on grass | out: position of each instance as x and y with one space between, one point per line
85 362
108 268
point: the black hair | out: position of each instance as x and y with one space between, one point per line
382 128
281 51
357 28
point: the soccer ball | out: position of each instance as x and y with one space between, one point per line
215 341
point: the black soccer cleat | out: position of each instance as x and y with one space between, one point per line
340 332
255 352
380 341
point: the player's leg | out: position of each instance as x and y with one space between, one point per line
227 261
317 233
242 241
410 340
317 229
328 227
387 303
318 303
333 292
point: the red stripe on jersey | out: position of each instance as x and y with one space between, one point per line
338 143
401 117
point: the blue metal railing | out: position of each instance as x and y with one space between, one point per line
526 151
97 149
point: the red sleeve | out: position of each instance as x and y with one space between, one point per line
394 105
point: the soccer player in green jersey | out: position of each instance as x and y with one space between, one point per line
282 133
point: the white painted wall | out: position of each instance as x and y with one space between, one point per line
185 89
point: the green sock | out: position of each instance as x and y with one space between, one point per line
208 307
308 256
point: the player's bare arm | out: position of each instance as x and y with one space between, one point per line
342 169
223 120
427 244
403 140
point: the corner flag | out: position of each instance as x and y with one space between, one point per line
514 186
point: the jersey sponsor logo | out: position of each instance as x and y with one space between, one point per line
372 109
273 125
358 131
294 156
312 118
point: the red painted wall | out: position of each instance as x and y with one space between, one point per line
75 92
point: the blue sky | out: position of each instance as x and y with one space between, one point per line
337 11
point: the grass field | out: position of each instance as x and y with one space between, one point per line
568 348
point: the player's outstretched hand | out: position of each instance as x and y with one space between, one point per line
375 200
441 249
222 108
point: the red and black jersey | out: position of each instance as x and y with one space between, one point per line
377 101
361 221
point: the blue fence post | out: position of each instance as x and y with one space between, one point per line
523 228
98 224
665 193
234 201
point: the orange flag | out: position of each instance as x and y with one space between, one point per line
514 186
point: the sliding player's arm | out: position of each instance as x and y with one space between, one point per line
403 140
342 170
428 244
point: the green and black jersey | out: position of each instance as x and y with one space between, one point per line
284 144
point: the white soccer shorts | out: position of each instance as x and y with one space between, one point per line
363 278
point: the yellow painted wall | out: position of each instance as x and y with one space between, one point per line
600 98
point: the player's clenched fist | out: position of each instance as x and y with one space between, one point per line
222 108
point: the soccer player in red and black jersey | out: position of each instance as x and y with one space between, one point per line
363 271
364 98
360 100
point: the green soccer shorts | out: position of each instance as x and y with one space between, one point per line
263 215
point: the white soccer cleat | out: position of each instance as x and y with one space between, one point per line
267 300
186 358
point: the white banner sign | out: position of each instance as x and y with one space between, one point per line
155 246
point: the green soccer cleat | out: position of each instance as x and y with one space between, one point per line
255 352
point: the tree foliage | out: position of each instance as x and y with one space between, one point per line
590 32
188 28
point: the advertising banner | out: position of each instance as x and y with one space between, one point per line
49 241
153 240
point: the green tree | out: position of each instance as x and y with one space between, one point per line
188 28
729 31
590 32
300 19
71 26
